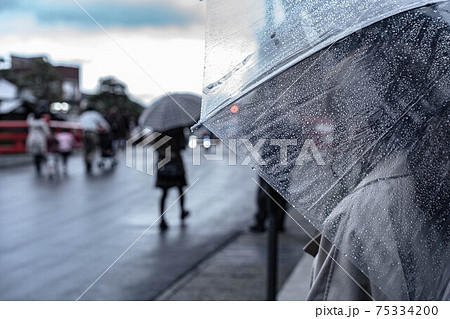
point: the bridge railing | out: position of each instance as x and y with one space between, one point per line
13 134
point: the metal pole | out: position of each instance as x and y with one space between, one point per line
272 260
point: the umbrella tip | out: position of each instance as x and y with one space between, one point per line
196 126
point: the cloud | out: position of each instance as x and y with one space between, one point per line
7 4
130 14
173 57
169 48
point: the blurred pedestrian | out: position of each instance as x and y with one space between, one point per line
120 127
268 199
92 122
53 156
66 143
172 173
107 148
266 194
36 142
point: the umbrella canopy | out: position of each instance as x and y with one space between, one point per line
8 91
171 111
343 107
92 120
8 97
7 106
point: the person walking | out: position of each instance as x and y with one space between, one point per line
172 174
66 142
52 156
36 141
92 122
120 127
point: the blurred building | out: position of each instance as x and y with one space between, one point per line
70 83
8 96
58 84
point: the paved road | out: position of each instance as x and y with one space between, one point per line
239 272
58 237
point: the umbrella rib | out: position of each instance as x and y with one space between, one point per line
129 56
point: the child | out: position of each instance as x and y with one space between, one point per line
66 142
52 158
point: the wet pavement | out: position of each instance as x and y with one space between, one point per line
239 272
57 237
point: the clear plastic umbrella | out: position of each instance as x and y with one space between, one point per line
343 107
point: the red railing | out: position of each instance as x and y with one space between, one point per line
13 134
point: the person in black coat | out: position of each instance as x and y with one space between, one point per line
172 173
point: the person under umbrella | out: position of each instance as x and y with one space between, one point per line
172 173
169 115
369 81
397 179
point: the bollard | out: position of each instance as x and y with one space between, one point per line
272 253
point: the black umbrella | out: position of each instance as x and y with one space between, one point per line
171 111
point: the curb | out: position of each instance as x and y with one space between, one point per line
190 274
15 160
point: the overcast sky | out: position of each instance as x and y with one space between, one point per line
163 38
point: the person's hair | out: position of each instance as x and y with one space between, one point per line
37 115
90 106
